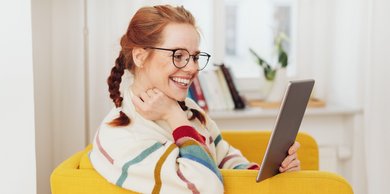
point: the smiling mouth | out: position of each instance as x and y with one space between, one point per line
181 81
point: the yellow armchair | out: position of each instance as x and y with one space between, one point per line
77 176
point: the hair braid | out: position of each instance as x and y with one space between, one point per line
195 113
114 81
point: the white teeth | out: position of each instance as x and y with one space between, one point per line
181 80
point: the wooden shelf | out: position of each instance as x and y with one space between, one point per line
258 112
313 103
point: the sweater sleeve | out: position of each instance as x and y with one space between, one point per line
228 157
156 165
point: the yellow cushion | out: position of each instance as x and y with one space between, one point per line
253 144
302 182
69 178
77 176
85 163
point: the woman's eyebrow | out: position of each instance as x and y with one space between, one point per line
195 52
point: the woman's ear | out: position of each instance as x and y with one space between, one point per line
139 57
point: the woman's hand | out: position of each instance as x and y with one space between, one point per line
155 105
291 162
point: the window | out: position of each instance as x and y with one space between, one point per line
254 24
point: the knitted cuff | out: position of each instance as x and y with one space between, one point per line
188 131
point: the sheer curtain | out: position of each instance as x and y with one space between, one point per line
345 45
377 95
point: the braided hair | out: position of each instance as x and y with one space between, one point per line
195 113
114 81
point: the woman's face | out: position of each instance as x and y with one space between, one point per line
159 69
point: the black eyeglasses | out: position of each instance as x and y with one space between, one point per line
181 57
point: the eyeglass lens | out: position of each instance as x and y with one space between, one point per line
182 57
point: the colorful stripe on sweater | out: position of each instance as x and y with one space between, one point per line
193 148
190 185
247 166
102 150
157 170
136 160
227 158
217 140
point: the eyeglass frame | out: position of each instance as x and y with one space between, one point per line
190 56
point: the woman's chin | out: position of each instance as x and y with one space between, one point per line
179 97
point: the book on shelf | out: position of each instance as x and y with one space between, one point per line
237 99
206 88
190 94
214 89
215 94
197 92
222 82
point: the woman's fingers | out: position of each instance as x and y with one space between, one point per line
293 169
144 96
288 160
294 148
137 101
291 162
151 93
157 91
153 104
294 165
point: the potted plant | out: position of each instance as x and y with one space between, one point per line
275 74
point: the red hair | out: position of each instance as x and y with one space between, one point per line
145 30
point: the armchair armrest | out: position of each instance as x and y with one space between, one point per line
253 143
72 178
302 182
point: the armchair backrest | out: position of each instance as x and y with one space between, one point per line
253 143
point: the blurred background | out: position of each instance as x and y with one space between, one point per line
342 44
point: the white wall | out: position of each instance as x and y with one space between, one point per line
17 142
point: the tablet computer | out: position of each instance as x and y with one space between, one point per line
286 128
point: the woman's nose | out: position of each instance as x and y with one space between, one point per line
192 65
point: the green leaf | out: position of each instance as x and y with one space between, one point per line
282 55
269 74
260 60
283 59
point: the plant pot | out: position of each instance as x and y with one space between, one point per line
277 86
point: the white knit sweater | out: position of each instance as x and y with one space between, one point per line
147 157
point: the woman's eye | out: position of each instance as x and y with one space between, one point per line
178 57
196 58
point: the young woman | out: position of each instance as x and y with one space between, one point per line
156 140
